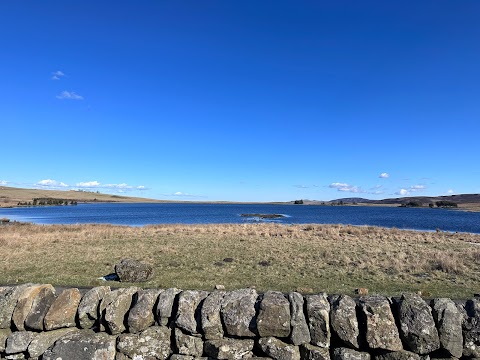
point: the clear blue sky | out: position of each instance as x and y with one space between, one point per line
246 100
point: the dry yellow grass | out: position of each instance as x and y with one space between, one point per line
312 258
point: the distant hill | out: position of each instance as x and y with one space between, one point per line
464 201
10 196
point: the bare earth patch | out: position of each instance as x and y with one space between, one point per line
331 258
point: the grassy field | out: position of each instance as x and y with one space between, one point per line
306 258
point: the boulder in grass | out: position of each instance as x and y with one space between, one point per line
130 270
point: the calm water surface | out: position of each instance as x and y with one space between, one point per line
143 214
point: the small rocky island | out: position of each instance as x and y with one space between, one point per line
264 216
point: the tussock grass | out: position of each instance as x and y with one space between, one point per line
309 258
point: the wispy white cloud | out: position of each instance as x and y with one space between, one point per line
450 191
88 184
186 195
411 189
120 188
346 187
301 186
402 192
69 95
49 183
57 75
384 175
3 182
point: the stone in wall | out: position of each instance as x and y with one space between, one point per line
229 349
277 349
471 329
449 325
166 301
153 343
18 342
8 300
274 315
40 306
318 313
114 307
212 327
312 352
82 344
44 340
239 313
141 315
25 302
188 344
382 332
188 312
4 334
400 355
344 321
88 310
186 357
63 310
343 353
417 327
300 332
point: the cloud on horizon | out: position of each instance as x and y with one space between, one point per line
384 175
449 191
346 187
69 95
3 182
57 75
411 189
184 194
49 183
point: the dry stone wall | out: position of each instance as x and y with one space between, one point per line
39 322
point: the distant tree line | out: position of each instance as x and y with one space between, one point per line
47 201
440 204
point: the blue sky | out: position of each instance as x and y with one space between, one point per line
241 100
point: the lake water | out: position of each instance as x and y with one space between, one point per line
143 214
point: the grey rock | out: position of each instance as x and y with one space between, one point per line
18 342
186 357
165 304
44 340
19 356
238 312
382 332
349 354
8 300
318 313
212 327
130 270
417 327
82 344
311 352
88 309
153 343
40 306
187 344
300 332
274 315
188 313
24 304
344 321
141 315
63 310
114 307
279 350
399 355
471 329
229 349
449 325
4 334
